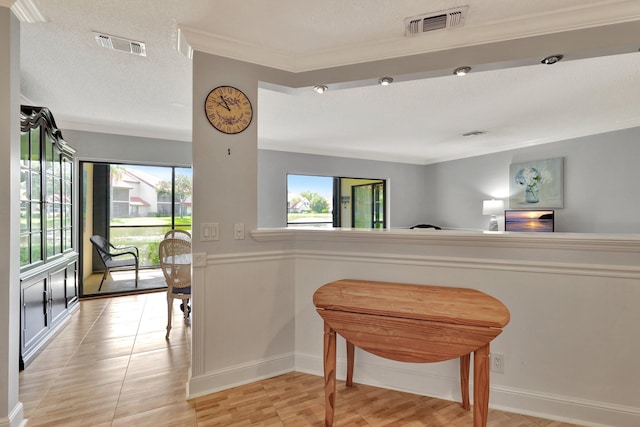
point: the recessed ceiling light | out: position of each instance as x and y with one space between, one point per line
385 81
552 59
461 71
320 88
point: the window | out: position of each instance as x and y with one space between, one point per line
325 201
309 201
136 205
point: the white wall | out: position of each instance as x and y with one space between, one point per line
105 147
405 184
570 352
243 315
601 175
11 412
568 347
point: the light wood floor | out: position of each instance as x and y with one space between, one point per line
111 366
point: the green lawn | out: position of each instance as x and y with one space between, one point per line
145 234
152 220
309 217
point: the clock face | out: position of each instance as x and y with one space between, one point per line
228 109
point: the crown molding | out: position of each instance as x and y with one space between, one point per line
140 131
229 48
28 11
568 19
346 153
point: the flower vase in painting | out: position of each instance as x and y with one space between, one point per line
532 179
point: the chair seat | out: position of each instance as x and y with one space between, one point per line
181 291
116 263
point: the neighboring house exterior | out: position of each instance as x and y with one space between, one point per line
298 204
134 194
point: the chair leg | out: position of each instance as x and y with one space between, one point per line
136 273
169 310
104 276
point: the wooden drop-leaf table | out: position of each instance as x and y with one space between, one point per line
411 323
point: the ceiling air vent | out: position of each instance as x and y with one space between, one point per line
441 20
120 44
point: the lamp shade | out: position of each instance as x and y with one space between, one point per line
492 207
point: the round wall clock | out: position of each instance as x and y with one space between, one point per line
228 109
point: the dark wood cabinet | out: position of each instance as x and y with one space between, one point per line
48 261
34 314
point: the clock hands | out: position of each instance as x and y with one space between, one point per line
225 103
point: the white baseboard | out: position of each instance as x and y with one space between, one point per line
15 417
238 375
508 399
563 408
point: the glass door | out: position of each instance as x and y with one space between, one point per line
368 205
378 205
136 205
130 205
362 215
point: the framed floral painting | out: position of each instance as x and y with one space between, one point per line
537 184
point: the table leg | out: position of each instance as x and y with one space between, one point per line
465 363
329 374
350 355
481 386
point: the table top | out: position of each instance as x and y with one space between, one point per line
461 306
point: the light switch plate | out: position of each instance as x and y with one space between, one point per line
209 231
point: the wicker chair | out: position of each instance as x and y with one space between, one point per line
178 234
175 261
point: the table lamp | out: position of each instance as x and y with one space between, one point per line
493 207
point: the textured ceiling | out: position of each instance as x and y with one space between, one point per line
412 120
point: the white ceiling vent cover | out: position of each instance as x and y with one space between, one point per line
441 20
123 45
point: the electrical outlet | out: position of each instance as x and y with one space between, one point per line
497 363
238 231
199 259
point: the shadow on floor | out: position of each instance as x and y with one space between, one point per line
123 282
